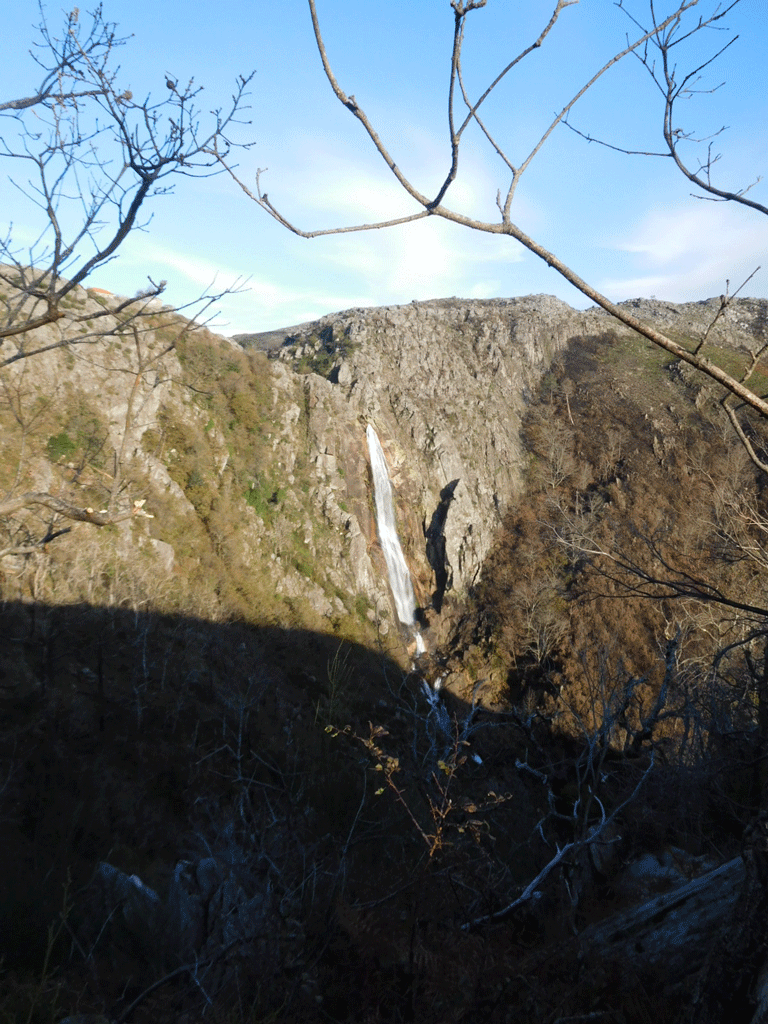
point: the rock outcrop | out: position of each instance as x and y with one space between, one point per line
445 385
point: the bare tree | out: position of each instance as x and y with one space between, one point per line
86 158
661 35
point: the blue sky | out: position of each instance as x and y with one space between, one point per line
626 224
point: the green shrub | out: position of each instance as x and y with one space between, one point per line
60 446
264 497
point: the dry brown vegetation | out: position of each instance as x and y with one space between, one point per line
598 597
169 414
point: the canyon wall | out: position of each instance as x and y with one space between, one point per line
252 456
445 384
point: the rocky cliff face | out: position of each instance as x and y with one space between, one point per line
257 468
445 385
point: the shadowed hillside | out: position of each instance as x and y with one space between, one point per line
277 822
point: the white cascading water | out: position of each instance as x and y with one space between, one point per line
399 576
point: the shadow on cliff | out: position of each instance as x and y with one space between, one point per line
436 546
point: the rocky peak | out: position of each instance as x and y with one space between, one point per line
743 324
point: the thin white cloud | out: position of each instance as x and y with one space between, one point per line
689 252
422 260
197 270
425 259
339 187
291 280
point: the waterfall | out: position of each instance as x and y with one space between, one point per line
399 576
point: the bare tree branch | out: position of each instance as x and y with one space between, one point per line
661 34
89 158
71 511
129 149
664 38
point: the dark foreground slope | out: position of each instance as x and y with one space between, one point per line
257 824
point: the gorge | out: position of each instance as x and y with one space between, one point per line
212 733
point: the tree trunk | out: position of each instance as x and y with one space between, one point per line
670 934
733 983
707 941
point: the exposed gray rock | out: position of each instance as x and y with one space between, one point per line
211 906
674 929
445 384
743 324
